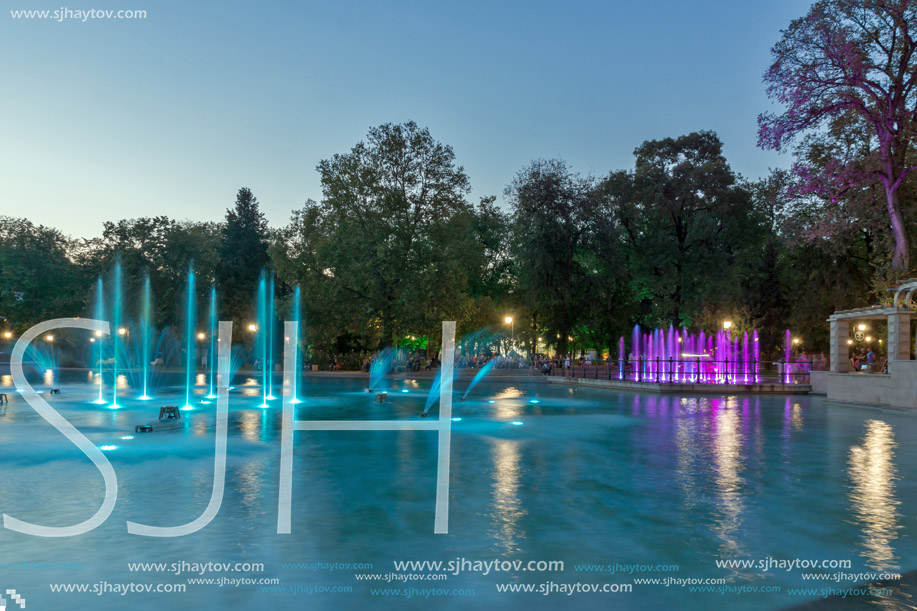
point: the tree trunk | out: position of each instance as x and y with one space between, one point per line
901 257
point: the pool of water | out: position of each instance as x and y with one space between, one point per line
591 478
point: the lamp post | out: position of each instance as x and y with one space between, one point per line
509 320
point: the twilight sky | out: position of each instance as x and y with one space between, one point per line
113 119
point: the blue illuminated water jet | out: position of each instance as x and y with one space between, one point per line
117 305
296 316
479 376
211 332
145 335
100 344
189 339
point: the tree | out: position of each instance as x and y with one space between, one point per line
164 249
854 56
38 280
554 211
242 256
387 246
686 223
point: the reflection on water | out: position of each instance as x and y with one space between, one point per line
200 379
507 506
871 469
727 459
122 382
48 377
6 380
688 452
250 425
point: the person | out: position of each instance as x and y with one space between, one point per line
870 357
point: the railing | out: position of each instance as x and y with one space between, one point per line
692 371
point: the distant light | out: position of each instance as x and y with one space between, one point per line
7 335
49 338
795 340
517 422
849 342
98 334
201 336
868 338
679 339
539 339
122 331
534 401
405 390
456 420
92 340
108 448
508 320
880 341
252 327
861 327
727 324
128 437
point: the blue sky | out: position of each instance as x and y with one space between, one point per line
112 119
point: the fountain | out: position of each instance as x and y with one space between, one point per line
189 338
118 330
269 357
264 342
479 376
435 390
211 333
787 356
295 316
100 315
380 366
145 333
670 355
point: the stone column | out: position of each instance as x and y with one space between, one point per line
840 350
899 336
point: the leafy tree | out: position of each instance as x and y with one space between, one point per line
38 279
158 246
859 57
687 225
242 255
554 212
385 253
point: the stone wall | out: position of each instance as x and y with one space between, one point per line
897 389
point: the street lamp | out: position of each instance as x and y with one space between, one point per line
253 327
122 331
201 336
8 334
727 324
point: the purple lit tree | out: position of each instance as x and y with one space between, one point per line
851 56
